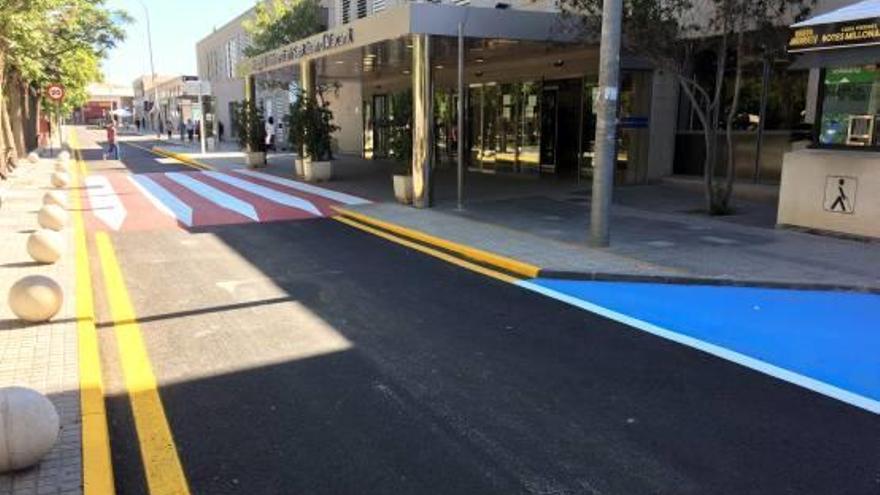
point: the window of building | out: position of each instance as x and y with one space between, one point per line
850 106
346 11
361 9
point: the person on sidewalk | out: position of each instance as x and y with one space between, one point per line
169 129
112 148
220 131
190 130
270 134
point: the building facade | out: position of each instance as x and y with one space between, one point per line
218 56
104 100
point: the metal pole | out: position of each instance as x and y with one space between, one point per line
762 114
152 65
606 124
202 117
460 124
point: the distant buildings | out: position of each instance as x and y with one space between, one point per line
103 99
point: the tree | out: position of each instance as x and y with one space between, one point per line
44 41
280 22
673 33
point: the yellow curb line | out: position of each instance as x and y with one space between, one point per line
427 250
470 254
97 466
162 466
170 154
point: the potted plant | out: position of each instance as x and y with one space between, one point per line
251 133
310 130
400 146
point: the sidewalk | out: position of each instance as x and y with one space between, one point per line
658 231
39 356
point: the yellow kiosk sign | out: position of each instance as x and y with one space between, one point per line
840 35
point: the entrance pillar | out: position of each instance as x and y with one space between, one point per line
307 77
307 90
423 121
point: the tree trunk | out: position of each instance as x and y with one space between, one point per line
15 113
4 163
32 118
731 114
721 66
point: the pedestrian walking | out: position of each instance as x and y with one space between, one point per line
168 128
112 148
270 134
220 131
190 130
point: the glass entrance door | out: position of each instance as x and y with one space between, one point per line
549 128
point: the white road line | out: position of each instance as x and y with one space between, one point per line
270 194
105 202
214 195
308 188
823 388
163 200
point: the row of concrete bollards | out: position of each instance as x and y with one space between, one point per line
29 422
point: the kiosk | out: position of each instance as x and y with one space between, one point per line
834 184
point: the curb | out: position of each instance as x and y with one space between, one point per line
473 255
529 271
711 281
181 158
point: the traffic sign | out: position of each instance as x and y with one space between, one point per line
55 92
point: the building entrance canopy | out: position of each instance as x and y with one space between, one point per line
351 46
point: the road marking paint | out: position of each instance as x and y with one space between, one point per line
715 350
308 188
214 195
165 158
162 466
265 192
105 203
510 265
97 466
168 201
429 251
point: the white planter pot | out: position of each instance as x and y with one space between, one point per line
403 188
299 167
318 171
255 159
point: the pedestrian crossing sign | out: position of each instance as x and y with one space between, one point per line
840 194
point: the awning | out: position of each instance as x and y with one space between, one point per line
853 26
866 9
849 57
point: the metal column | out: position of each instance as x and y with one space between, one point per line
459 139
423 121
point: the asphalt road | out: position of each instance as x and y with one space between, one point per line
310 357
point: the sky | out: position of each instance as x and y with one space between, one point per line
176 26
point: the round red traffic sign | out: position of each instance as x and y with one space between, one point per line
55 92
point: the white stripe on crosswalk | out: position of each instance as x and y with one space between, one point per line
270 194
214 195
105 202
163 200
307 188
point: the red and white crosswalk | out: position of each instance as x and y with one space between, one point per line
117 201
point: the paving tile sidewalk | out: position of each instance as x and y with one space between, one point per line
41 356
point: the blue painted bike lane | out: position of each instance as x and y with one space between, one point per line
828 342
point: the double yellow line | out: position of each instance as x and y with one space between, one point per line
164 473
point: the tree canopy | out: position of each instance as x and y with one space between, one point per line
280 22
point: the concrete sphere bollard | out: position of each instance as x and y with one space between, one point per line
35 298
62 166
29 427
64 156
52 217
60 179
55 198
45 246
33 157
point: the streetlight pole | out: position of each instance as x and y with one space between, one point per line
152 65
606 123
